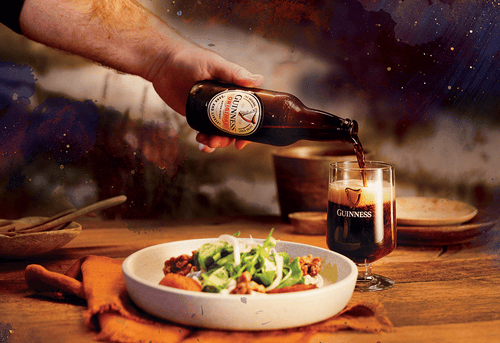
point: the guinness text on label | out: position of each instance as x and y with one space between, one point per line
236 112
353 214
230 112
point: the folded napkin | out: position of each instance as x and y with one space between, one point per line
111 313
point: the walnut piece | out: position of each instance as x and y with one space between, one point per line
310 265
246 285
183 265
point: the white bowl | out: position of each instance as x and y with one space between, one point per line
143 270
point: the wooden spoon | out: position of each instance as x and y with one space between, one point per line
59 219
18 225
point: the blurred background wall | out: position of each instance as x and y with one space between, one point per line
421 77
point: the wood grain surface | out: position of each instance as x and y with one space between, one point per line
442 293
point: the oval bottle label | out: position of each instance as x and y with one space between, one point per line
236 112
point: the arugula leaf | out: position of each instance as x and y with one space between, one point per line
292 274
265 277
270 241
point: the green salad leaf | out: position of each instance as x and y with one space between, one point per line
220 266
292 274
216 280
210 253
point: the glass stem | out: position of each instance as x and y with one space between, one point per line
365 272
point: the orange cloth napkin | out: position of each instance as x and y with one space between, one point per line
112 314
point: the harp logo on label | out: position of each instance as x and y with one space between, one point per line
236 112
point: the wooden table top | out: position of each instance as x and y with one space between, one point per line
445 294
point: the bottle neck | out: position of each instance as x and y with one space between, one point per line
326 126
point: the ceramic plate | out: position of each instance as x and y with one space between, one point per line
424 211
143 270
441 235
36 243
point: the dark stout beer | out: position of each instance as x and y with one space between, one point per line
361 220
360 155
262 116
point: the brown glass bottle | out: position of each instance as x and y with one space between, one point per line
262 116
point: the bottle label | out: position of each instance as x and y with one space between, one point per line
236 112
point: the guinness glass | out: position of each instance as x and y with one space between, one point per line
362 217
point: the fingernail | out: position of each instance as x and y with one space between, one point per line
254 77
204 148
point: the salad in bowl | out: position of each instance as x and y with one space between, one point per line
229 265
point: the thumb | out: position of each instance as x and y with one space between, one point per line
246 79
233 73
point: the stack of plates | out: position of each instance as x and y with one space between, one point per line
437 221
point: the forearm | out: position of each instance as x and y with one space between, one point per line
123 35
120 34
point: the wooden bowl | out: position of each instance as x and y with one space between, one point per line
308 223
302 176
37 243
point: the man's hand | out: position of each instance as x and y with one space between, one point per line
189 64
127 37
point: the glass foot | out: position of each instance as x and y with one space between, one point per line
373 283
369 282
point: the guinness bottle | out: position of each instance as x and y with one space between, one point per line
262 116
